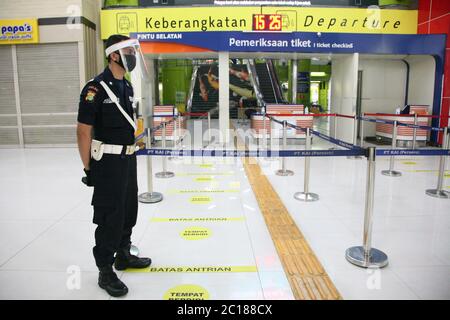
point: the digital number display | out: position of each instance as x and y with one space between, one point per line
267 22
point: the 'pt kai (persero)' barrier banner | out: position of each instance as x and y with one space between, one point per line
19 31
191 19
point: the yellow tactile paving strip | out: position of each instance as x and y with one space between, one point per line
307 277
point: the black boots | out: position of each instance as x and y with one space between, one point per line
126 260
108 280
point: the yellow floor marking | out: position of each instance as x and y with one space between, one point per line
198 219
204 179
206 165
195 269
200 200
231 173
307 277
175 191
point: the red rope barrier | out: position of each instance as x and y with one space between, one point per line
301 115
344 116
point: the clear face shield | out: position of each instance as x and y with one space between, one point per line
131 57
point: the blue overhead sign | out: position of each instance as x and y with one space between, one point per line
307 42
303 42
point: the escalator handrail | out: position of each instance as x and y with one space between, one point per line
254 79
191 89
276 82
271 82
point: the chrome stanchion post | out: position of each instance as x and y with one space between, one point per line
438 192
150 196
180 132
306 195
365 256
361 132
415 131
209 126
355 135
391 172
164 173
270 139
335 126
334 131
177 136
264 132
265 141
174 134
283 172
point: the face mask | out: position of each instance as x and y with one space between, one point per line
131 62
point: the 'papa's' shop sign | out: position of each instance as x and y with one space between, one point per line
19 31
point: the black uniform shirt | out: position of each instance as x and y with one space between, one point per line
98 110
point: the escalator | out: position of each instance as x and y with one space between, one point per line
204 98
205 93
251 85
269 85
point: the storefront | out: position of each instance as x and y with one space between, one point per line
46 58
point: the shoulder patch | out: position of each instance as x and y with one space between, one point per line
90 95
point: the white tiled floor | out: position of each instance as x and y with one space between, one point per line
46 228
412 228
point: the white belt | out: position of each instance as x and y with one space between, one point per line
117 149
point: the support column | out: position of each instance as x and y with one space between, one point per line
224 95
148 96
294 82
303 95
17 96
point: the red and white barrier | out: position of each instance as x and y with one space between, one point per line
293 114
403 133
166 113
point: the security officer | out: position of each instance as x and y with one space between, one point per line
106 144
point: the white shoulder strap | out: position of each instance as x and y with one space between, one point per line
113 97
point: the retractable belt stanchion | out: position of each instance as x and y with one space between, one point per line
150 196
264 139
414 132
283 172
164 173
391 172
174 137
209 127
438 192
180 132
270 139
361 132
306 195
178 136
335 130
266 144
365 256
355 135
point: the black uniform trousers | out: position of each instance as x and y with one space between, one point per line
115 204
